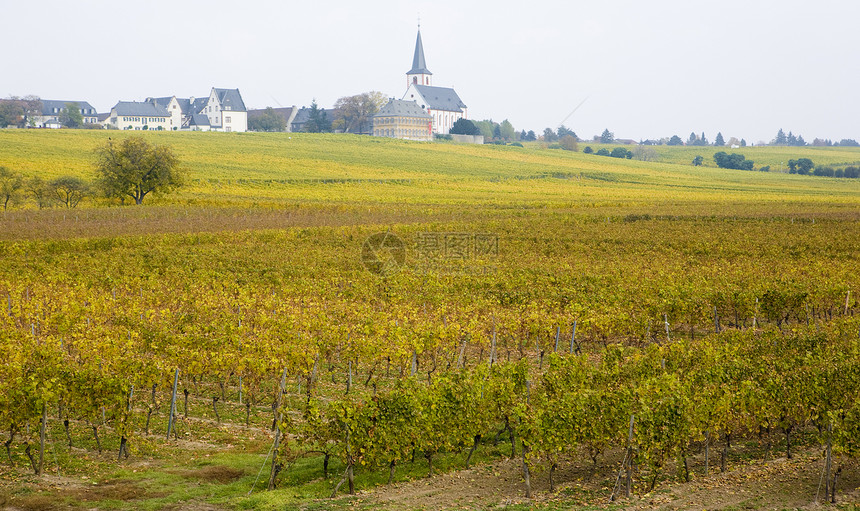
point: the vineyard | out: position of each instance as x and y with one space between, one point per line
646 322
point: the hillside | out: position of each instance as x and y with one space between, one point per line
279 168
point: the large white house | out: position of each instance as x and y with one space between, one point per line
442 103
53 110
223 110
133 115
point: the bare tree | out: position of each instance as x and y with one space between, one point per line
356 112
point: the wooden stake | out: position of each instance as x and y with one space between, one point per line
172 403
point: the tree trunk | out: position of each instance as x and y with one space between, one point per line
552 468
215 408
527 472
325 465
472 450
68 436
391 472
429 457
351 479
96 435
185 391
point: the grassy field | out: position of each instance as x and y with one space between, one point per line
248 169
258 259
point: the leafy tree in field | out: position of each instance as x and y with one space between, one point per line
134 168
549 135
732 161
68 190
588 150
804 166
852 172
568 143
766 168
357 111
269 120
38 190
675 140
693 139
71 116
824 171
607 137
792 166
848 142
463 126
10 186
530 136
644 153
719 140
602 152
697 161
318 121
743 142
620 152
497 132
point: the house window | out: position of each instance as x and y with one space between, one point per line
227 119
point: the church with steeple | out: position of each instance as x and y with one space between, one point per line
442 103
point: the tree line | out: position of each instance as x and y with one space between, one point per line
127 170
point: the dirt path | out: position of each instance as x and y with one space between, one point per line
777 484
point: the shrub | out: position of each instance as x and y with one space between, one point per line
568 143
766 168
603 152
732 161
588 150
823 171
852 172
517 144
697 161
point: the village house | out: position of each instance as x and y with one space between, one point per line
133 115
52 112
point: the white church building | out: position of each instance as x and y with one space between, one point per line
442 103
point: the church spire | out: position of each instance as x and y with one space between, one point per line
419 74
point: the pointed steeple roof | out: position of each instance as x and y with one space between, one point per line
419 67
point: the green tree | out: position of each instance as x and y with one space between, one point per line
135 168
507 131
549 135
563 130
463 126
269 120
10 186
780 138
804 166
318 121
607 137
675 140
530 136
719 140
697 161
620 152
68 190
71 116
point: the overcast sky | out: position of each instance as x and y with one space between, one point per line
644 69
